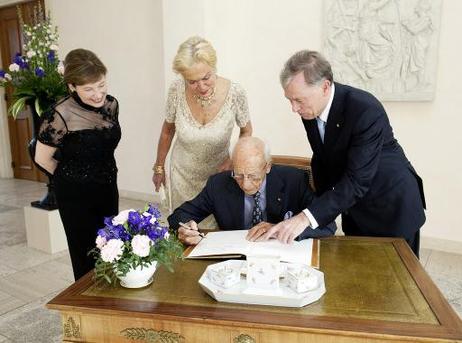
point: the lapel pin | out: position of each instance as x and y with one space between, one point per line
279 199
338 125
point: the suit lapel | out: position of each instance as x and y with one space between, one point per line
274 196
235 197
311 128
336 118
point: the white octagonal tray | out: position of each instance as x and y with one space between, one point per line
286 297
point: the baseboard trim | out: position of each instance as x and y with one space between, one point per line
440 244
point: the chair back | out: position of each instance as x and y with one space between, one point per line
295 161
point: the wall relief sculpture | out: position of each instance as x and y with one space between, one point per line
388 47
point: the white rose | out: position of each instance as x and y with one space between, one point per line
141 245
8 77
100 242
121 217
112 251
13 67
54 47
31 53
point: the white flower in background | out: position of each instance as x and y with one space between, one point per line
13 67
141 245
54 47
31 53
61 68
100 242
28 34
112 251
121 217
8 77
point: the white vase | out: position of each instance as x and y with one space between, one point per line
138 277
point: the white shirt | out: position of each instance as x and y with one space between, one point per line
323 116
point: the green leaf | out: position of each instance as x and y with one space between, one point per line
37 107
18 106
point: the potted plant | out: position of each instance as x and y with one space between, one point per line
131 245
36 79
36 75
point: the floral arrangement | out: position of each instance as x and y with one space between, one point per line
36 75
131 239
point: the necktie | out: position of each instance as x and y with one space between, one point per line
257 215
321 128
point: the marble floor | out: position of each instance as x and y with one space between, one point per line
29 278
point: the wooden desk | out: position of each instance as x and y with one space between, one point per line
377 291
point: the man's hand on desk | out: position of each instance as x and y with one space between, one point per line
285 231
258 230
190 235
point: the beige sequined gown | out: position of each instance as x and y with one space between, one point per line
199 149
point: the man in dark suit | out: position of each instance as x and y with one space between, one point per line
255 196
359 169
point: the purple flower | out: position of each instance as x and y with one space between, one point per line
154 211
2 74
51 56
39 72
108 221
20 61
134 219
156 233
119 232
104 233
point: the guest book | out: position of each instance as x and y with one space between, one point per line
232 244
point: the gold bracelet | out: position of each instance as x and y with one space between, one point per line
159 170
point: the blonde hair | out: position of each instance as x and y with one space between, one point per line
194 50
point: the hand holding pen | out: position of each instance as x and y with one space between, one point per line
189 233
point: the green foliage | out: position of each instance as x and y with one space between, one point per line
36 76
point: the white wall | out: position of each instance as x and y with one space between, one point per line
254 38
127 36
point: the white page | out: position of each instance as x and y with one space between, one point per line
234 242
222 243
295 252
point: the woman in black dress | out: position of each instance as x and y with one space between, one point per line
76 144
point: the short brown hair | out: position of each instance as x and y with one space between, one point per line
82 66
314 66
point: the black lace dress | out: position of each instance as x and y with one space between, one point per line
86 175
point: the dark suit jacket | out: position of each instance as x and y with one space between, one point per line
362 171
287 189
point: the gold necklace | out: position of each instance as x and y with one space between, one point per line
205 101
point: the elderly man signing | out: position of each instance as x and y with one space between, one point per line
254 196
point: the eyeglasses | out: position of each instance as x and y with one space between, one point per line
251 177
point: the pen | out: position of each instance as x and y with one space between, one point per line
187 227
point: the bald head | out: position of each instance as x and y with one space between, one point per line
251 159
251 148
